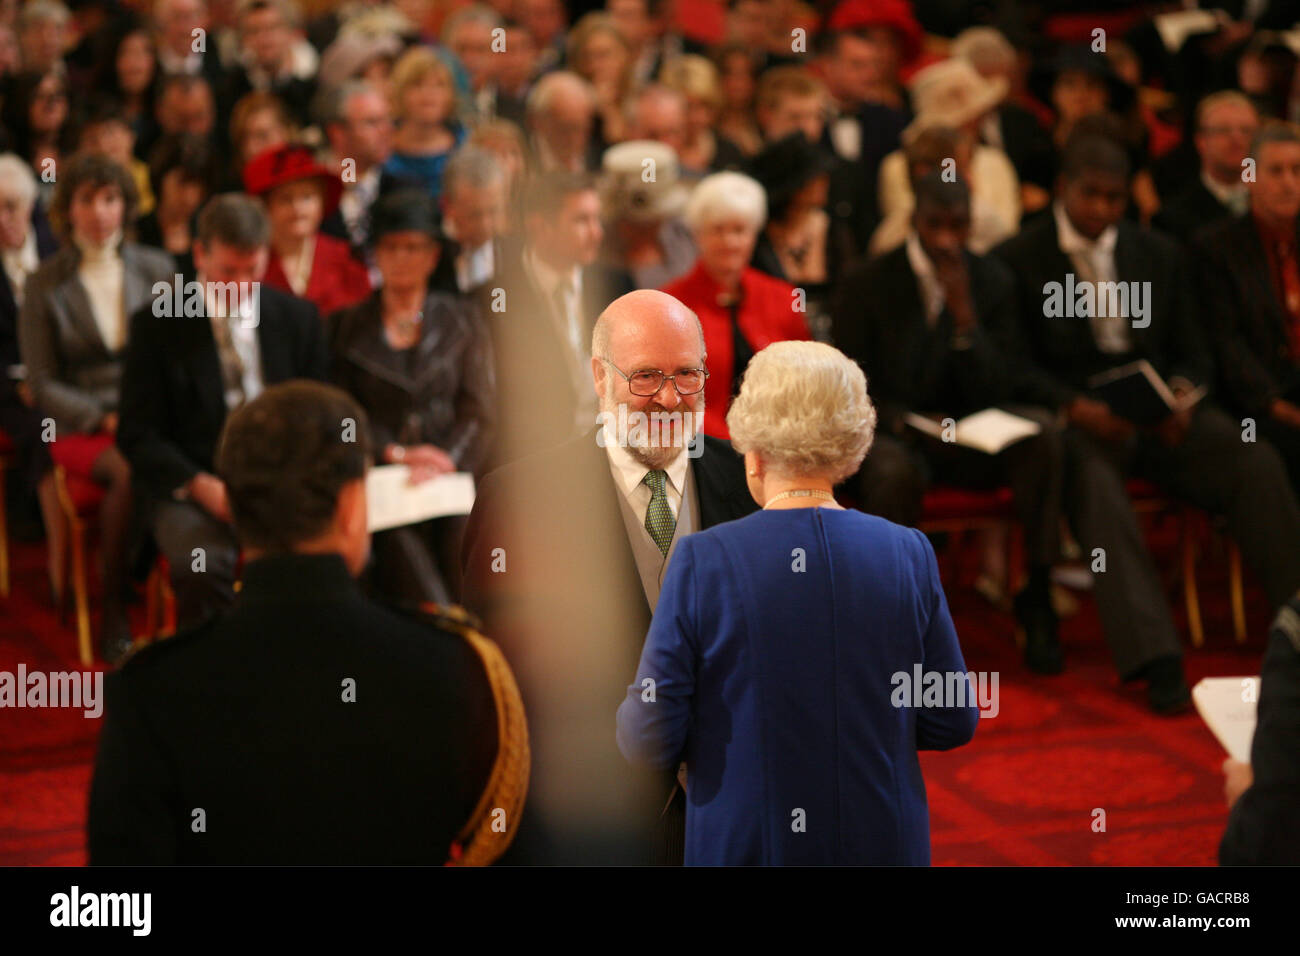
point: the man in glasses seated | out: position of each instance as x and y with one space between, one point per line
565 552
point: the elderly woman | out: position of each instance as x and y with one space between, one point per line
840 605
420 364
299 192
741 309
72 331
647 237
706 150
25 240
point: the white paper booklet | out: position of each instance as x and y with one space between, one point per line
988 431
391 502
1227 705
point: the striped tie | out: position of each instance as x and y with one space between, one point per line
659 520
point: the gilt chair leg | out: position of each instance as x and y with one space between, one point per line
1190 595
1237 593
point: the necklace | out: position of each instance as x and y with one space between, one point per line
800 493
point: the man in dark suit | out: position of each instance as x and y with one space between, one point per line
1226 123
564 556
266 39
915 319
541 306
1249 273
307 725
1141 308
191 359
474 197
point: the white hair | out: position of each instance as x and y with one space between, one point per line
803 408
474 13
723 196
550 86
16 178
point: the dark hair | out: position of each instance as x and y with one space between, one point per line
404 210
15 114
99 108
786 166
233 219
107 43
285 456
933 190
1088 151
545 194
1274 131
190 153
96 171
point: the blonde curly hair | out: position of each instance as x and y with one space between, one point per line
803 408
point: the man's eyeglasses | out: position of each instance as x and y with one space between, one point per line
648 381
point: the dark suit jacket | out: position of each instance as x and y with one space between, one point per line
879 321
441 391
173 399
549 568
536 397
1054 357
245 718
1243 315
1264 826
1190 211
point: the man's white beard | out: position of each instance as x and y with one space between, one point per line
656 457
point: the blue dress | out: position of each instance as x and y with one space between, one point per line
775 651
425 170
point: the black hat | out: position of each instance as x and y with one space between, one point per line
787 165
1081 59
405 210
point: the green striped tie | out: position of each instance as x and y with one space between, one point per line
659 520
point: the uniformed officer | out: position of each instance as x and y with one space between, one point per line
308 725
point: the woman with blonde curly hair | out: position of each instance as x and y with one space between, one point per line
598 53
776 657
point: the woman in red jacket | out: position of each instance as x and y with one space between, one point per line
299 192
741 309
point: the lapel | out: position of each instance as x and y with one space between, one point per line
71 300
135 289
275 349
1132 266
718 481
367 351
1056 265
606 514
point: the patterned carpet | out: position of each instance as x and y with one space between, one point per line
1026 791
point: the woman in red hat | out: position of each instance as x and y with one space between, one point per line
298 193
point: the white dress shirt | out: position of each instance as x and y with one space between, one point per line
1236 197
243 335
629 477
1094 260
932 294
476 266
19 264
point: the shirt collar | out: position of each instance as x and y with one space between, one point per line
548 278
629 473
1072 241
1227 195
931 290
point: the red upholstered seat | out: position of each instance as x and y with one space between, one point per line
85 494
6 443
944 503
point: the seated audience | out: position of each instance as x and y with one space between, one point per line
268 59
242 716
1085 240
258 122
599 53
184 372
741 309
560 115
1248 269
299 192
918 321
184 174
474 207
825 733
72 331
704 149
420 363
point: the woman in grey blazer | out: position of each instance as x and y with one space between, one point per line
72 332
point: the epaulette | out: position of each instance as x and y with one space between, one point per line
495 820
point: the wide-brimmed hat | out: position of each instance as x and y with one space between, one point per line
641 191
787 165
951 93
1081 59
289 163
348 56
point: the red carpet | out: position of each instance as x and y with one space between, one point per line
1024 792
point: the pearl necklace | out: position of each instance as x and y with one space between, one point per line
800 493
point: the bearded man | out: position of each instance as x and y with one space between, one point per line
564 555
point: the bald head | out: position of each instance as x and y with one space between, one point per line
649 331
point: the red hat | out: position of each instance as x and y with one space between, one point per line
288 163
894 14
